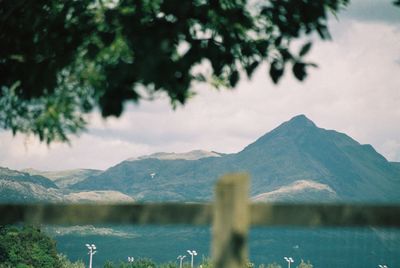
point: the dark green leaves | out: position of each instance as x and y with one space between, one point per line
46 35
234 78
27 247
276 71
299 70
51 118
305 49
72 56
251 68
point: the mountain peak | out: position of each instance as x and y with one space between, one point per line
300 120
295 127
192 155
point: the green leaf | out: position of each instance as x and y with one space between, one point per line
312 64
234 78
305 49
107 37
251 68
276 71
286 55
299 70
278 41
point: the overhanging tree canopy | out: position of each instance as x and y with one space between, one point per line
61 59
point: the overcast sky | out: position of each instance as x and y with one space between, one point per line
355 90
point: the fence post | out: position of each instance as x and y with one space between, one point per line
231 221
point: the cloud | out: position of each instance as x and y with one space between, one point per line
372 11
391 148
87 151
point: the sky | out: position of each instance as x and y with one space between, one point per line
355 90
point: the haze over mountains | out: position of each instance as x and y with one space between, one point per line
297 161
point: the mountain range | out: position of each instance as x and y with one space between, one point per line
297 161
22 187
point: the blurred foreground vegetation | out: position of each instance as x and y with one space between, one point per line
28 247
62 60
205 263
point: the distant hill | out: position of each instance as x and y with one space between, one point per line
396 165
97 196
297 191
295 152
21 187
298 150
64 178
192 155
13 175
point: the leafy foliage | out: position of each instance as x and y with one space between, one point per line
66 263
304 264
60 60
27 247
205 263
274 265
141 263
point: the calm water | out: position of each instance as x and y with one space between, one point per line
356 248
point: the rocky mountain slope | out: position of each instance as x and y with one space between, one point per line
192 155
21 187
295 152
64 178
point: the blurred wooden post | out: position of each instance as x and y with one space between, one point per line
231 221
